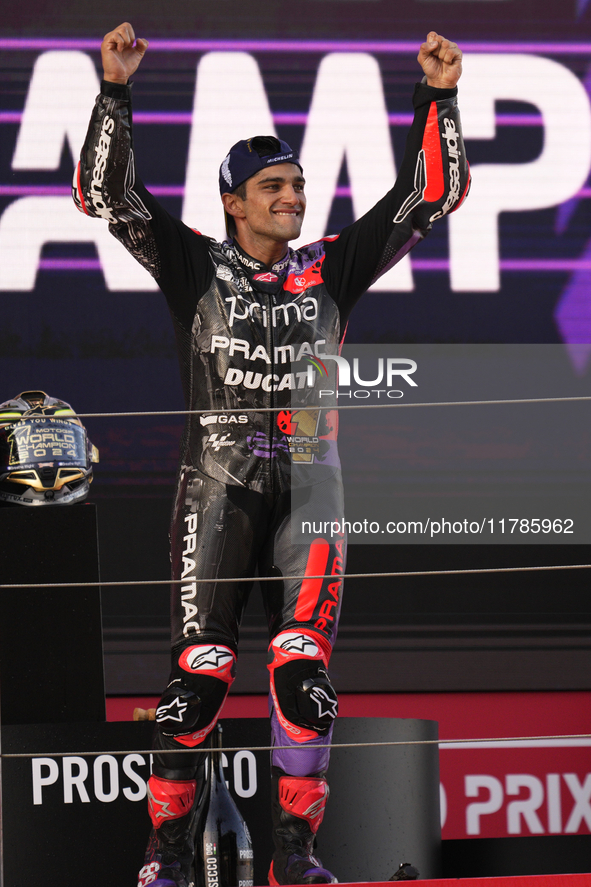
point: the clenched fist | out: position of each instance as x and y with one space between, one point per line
441 60
122 53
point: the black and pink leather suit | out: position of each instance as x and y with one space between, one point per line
250 340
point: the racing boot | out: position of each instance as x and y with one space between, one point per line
169 856
297 810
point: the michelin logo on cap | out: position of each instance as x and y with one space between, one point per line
279 159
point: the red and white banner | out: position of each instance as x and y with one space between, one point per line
526 787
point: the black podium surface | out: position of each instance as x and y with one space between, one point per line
51 656
70 816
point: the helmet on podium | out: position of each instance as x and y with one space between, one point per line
45 455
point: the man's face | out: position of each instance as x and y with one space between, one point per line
275 202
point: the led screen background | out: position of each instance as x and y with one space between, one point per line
335 78
77 331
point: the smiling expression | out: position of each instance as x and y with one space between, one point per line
275 203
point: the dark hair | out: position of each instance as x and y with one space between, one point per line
265 146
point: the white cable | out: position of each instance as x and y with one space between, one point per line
265 748
298 577
359 406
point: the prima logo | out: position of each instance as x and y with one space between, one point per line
285 314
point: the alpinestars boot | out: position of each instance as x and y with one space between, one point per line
169 856
298 804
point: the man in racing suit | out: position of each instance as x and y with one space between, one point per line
256 325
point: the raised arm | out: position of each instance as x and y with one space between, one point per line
106 186
433 180
104 183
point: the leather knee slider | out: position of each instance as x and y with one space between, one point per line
178 711
199 684
169 799
304 698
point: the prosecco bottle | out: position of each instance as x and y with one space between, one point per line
226 847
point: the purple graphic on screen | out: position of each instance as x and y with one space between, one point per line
573 310
581 7
573 315
281 118
308 46
568 208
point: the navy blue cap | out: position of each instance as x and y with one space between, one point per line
243 161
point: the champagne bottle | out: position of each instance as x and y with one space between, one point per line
225 844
